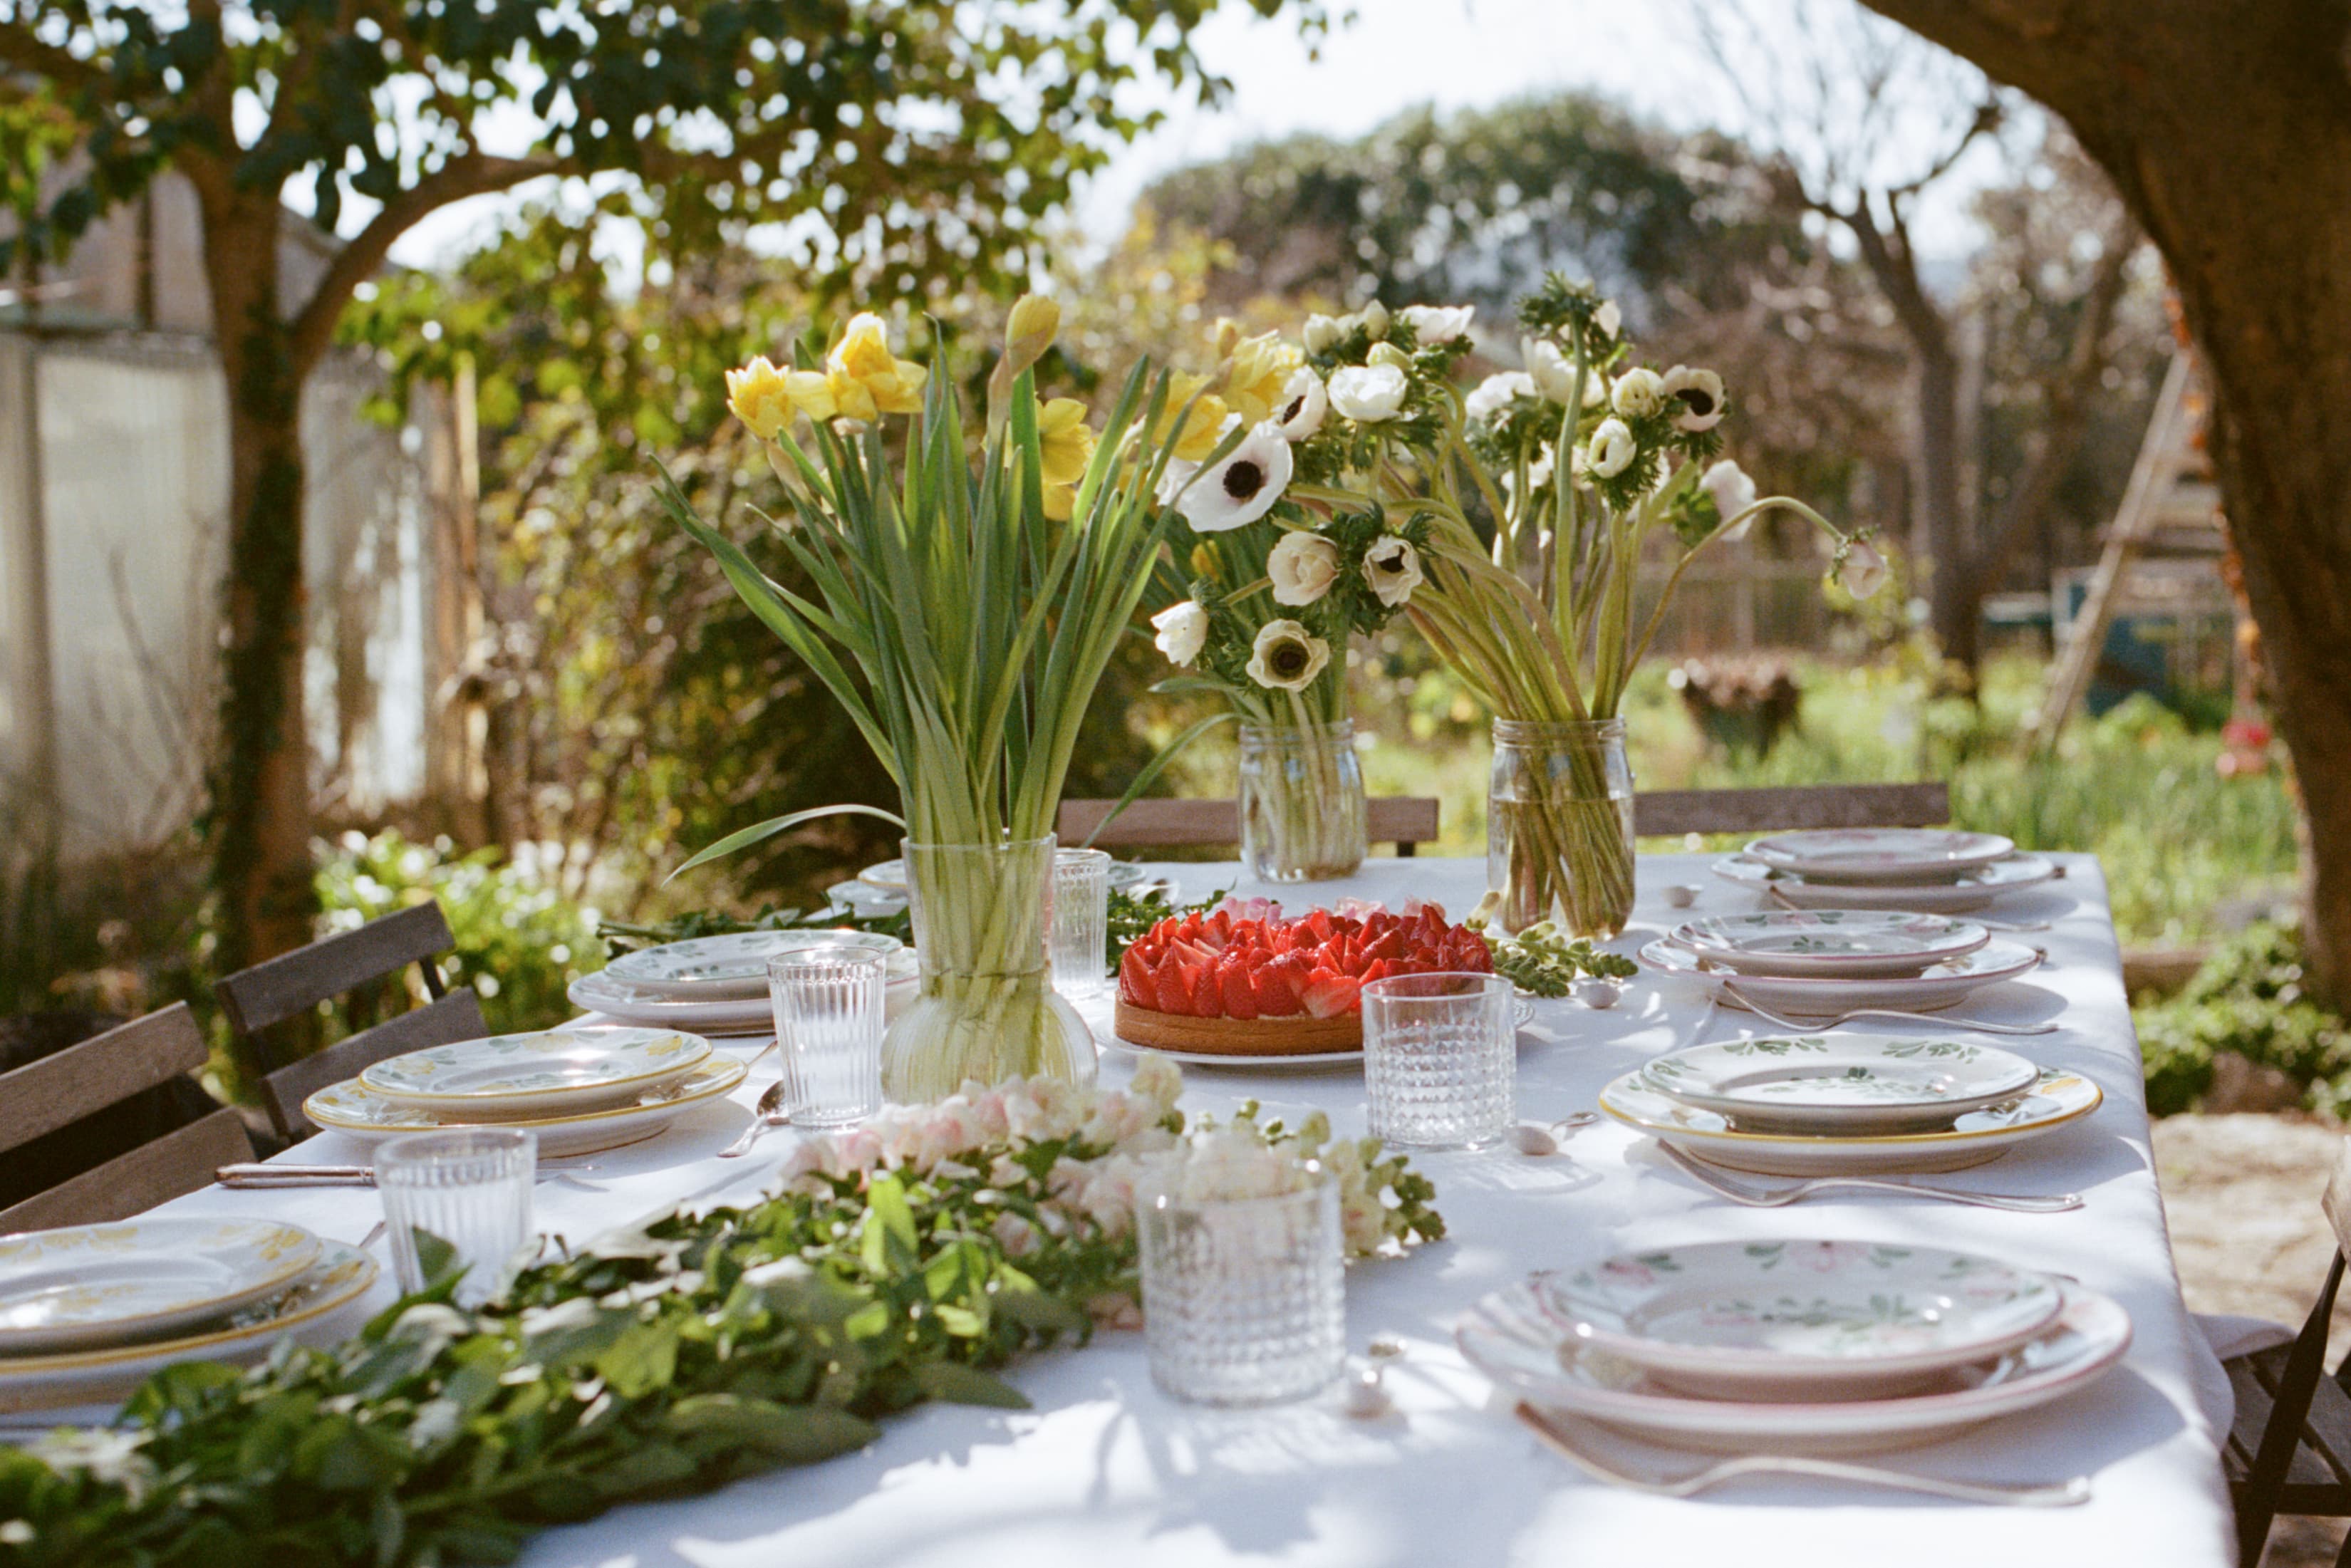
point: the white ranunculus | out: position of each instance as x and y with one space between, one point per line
1172 478
1321 331
1286 656
1374 317
1495 394
1240 487
1700 395
1183 631
1554 373
1732 492
1862 570
1638 393
1434 324
1609 319
1393 568
1302 565
1303 405
1368 393
1612 449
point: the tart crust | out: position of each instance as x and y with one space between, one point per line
1301 1036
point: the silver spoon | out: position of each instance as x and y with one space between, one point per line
1529 1139
765 1117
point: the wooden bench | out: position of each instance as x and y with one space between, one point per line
279 989
1407 822
1807 806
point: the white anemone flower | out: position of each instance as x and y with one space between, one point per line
1321 331
1861 568
1303 404
1374 317
1242 487
1495 394
1638 393
1183 631
1609 319
1172 478
1539 472
1612 449
1302 565
1700 395
1286 656
1732 492
1434 324
1393 568
1368 393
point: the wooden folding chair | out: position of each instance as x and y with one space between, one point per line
279 989
1805 806
1404 821
2289 1450
103 1071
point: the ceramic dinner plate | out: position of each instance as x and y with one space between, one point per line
1841 1082
340 1276
1835 942
92 1285
1880 854
1970 890
735 964
1797 1320
352 1107
1941 986
2058 1099
724 1017
1523 1014
1509 1339
890 876
551 1072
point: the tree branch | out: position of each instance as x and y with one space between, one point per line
472 174
24 50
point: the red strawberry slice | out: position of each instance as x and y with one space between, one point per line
1239 992
1273 995
1171 987
1389 944
1208 996
1328 994
1381 968
1135 981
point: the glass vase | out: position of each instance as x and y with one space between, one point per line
985 1009
1302 801
1559 826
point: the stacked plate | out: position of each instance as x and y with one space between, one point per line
1934 870
718 985
86 1312
1846 1103
881 889
579 1089
1794 1347
1818 963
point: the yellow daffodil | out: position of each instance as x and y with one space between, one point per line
759 395
1202 428
1030 331
865 379
1065 443
1259 368
811 393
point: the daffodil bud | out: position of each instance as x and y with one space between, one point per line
1319 332
1204 560
1229 337
1034 323
1375 321
1389 354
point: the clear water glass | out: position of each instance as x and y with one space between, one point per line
829 1017
1080 922
1244 1291
470 1187
1440 1059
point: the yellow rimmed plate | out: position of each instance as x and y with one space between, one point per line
352 1107
558 1071
92 1285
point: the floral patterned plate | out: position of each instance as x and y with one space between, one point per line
735 964
93 1285
1880 854
352 1107
550 1072
1968 891
1797 1320
890 876
1941 985
599 993
1835 942
1841 1082
339 1276
1511 1339
2058 1099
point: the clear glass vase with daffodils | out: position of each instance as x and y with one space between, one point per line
960 593
1261 591
1539 491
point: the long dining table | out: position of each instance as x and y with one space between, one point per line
1105 1469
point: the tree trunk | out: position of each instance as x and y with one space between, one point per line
2226 124
259 814
1942 519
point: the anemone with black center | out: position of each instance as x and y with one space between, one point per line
1243 480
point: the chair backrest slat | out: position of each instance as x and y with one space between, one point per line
177 1163
104 1070
455 1017
1924 805
1399 819
277 989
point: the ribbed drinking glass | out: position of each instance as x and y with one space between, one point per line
829 1015
1080 922
1440 1059
469 1187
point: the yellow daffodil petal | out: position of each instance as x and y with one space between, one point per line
759 394
811 393
1066 446
1259 370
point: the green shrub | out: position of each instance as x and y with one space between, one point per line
2248 998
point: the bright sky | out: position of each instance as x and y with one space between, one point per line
1455 54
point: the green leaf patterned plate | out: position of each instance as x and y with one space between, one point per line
352 1108
1842 1083
90 1286
705 969
547 1073
1837 941
1880 854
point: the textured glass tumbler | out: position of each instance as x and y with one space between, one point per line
1440 1059
829 1015
1080 922
1243 1299
470 1187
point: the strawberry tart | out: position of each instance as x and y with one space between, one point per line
1241 980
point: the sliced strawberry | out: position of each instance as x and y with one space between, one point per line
1328 994
1379 970
1389 944
1272 994
1219 925
1135 981
1319 922
1171 988
1239 992
1208 996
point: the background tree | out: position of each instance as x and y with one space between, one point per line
896 147
2226 126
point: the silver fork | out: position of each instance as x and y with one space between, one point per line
1778 895
1755 1196
2062 1495
1730 989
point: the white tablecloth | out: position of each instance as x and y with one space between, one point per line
1106 1471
